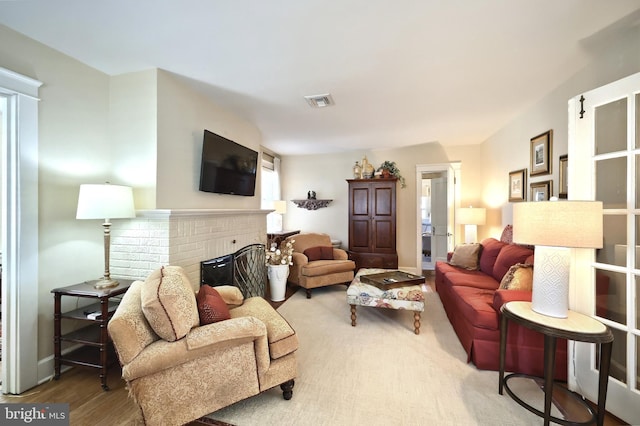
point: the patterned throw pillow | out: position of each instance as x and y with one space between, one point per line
466 256
230 294
211 306
518 277
319 253
169 303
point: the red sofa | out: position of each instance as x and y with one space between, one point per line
472 302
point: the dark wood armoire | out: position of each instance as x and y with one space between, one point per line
372 223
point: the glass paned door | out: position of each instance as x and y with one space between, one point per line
605 149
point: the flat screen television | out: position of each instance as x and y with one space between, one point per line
227 167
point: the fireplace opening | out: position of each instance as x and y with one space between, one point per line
244 269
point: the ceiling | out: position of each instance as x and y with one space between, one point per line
400 72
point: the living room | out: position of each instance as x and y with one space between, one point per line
144 129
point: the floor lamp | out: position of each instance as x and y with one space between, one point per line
106 202
471 217
554 227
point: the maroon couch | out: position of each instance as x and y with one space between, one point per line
472 302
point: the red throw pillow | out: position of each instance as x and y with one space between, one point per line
211 306
319 253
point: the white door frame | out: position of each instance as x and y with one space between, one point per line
453 201
19 97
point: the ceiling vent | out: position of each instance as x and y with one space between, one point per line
319 101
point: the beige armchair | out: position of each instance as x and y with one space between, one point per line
194 370
332 266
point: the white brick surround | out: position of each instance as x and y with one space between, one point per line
181 237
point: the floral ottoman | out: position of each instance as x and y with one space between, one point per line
410 297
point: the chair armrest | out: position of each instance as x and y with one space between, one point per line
339 254
299 260
200 342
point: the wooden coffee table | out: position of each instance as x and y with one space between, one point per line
373 291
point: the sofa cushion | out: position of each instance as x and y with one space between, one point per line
466 256
501 297
518 277
324 267
319 253
169 303
476 305
474 279
509 256
211 306
490 251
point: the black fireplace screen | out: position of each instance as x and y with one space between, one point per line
244 269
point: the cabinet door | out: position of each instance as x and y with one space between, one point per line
383 239
360 217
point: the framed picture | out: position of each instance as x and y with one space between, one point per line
563 190
541 191
518 185
541 153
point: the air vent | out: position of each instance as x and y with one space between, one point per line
319 101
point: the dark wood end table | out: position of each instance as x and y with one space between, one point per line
576 326
94 338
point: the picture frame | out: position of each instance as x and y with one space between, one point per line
541 191
563 187
518 185
541 147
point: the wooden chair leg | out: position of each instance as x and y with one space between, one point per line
287 389
308 294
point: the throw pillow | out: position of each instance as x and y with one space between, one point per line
466 256
319 253
230 294
518 277
211 306
169 303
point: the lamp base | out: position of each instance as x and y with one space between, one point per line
550 295
105 283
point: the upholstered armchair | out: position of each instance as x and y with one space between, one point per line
178 370
317 264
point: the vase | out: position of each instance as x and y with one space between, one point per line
386 174
277 281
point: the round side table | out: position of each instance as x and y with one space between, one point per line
576 327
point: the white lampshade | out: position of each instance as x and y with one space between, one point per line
105 201
554 227
471 216
558 223
280 206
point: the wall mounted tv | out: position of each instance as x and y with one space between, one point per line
227 167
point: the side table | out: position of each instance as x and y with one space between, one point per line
94 338
576 327
279 236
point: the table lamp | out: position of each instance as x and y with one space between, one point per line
280 207
554 227
105 201
471 217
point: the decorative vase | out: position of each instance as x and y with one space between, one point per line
386 174
277 281
357 171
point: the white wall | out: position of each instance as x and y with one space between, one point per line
508 149
327 174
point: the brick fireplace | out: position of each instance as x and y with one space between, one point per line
181 237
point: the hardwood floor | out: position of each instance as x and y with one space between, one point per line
90 405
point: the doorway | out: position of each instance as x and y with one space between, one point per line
436 201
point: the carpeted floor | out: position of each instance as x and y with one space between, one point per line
379 372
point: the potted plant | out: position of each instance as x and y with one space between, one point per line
278 260
389 168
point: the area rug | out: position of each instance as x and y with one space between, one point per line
378 373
